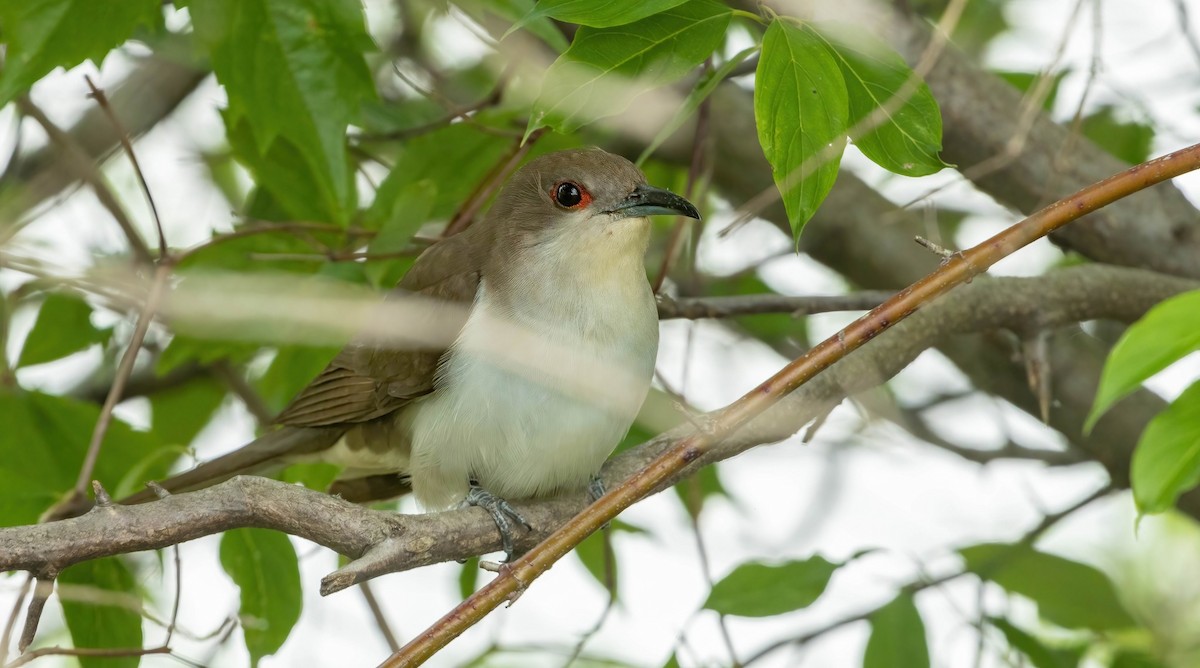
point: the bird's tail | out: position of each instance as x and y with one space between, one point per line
271 450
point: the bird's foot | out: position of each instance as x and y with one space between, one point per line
595 491
595 488
503 514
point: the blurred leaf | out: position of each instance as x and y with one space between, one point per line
606 68
41 35
1024 81
402 215
295 188
112 619
63 326
908 137
696 490
800 116
313 475
770 328
456 158
468 577
43 442
699 93
184 349
179 413
593 554
1166 462
1132 658
1165 334
981 21
293 71
761 590
596 14
293 368
263 565
1038 653
1129 141
512 11
897 636
1068 593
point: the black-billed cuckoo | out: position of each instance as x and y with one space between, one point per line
553 275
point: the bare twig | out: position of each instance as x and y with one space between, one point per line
124 369
495 178
11 623
102 100
79 161
696 308
380 618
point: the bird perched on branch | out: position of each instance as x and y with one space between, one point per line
551 337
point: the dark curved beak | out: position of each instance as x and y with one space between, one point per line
650 201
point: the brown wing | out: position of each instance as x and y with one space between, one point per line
364 382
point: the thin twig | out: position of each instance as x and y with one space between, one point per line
124 369
75 157
495 178
11 624
380 618
101 99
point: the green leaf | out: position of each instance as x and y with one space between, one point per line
313 475
1024 81
606 68
1134 658
897 636
1165 334
468 577
184 349
908 137
293 69
263 565
1129 141
403 214
111 615
1038 653
456 158
594 555
179 413
697 489
597 14
43 34
63 326
761 590
43 442
293 368
1068 593
514 11
289 187
801 117
699 94
1166 462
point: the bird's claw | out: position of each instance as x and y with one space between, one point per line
503 514
596 490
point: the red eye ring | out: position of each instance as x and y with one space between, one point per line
570 195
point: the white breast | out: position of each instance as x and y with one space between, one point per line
528 408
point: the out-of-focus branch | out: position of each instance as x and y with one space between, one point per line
401 542
1160 230
695 308
149 94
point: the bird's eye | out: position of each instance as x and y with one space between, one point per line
570 195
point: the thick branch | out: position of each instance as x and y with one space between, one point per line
1029 167
400 542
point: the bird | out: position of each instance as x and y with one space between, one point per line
542 379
